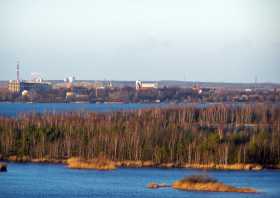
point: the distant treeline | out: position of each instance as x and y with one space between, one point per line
216 134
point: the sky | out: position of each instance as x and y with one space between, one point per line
192 40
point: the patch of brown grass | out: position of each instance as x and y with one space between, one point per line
167 165
237 166
135 163
199 179
15 158
46 160
99 163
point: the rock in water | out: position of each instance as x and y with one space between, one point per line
155 185
3 167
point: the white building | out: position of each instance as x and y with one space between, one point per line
140 85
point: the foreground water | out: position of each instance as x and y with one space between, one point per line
48 180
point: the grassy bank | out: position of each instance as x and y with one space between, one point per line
100 163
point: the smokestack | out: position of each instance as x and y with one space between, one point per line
17 71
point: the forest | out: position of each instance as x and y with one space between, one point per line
222 134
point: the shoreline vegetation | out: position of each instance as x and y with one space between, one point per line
222 137
103 163
97 164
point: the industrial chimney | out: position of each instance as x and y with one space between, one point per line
17 71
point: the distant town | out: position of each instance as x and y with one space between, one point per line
90 91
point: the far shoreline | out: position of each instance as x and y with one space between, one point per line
150 164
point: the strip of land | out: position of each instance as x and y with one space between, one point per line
103 163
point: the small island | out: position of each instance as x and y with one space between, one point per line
207 184
202 183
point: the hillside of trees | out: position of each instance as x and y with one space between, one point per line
217 134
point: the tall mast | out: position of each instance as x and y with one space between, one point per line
17 71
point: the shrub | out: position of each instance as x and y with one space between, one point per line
199 179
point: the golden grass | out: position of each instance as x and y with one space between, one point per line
237 166
208 185
46 160
167 165
97 164
139 164
135 164
15 158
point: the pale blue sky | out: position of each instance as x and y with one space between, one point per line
199 40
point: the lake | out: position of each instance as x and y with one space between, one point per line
55 180
13 109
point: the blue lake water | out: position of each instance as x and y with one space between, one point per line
13 109
48 180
